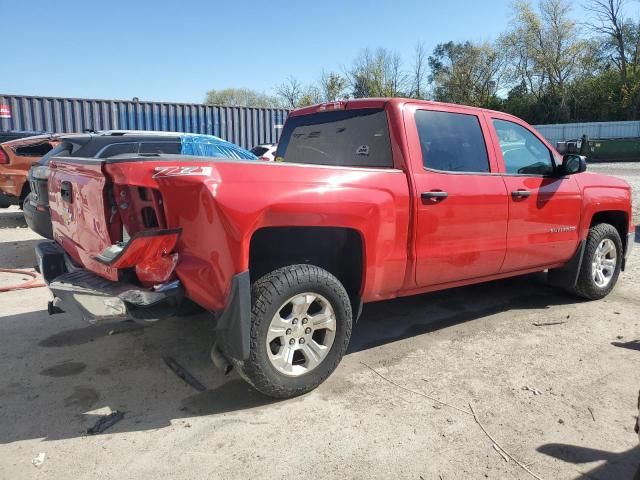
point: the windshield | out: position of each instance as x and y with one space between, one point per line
350 138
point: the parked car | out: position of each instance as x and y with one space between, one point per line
373 199
16 157
266 152
113 143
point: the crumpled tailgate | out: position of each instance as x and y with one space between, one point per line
78 211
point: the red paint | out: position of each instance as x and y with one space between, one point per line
479 232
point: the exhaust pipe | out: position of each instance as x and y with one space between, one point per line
220 361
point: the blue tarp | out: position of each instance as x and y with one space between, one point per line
210 146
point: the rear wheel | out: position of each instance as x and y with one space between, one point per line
300 327
601 262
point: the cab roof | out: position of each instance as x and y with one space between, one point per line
382 102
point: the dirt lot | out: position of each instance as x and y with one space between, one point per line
477 345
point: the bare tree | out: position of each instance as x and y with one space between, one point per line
377 74
290 91
609 21
419 71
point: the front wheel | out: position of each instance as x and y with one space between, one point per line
601 262
300 328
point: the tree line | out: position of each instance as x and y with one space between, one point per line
552 64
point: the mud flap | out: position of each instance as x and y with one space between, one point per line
567 276
233 325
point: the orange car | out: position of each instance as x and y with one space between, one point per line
16 157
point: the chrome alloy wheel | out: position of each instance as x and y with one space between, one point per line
301 334
604 263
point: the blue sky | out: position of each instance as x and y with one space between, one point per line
176 51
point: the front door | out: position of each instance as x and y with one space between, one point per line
461 210
544 208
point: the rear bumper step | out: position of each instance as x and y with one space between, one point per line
92 297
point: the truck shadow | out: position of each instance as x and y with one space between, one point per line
616 465
395 320
60 371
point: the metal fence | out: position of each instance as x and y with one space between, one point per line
243 126
601 130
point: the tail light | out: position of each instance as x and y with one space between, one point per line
4 158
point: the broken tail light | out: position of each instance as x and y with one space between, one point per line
150 252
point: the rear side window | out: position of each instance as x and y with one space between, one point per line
160 147
349 138
522 151
451 142
118 149
34 150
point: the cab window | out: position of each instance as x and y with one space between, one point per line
523 152
451 142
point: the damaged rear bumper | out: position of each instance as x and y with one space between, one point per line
81 292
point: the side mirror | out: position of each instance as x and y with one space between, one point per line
573 163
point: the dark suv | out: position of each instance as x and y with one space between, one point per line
109 144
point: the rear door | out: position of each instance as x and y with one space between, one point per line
544 208
461 211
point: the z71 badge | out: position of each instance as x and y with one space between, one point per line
176 171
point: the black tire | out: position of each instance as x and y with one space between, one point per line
268 294
586 286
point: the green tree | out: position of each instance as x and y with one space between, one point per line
545 52
466 73
333 87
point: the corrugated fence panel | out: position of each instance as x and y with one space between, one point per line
573 131
244 126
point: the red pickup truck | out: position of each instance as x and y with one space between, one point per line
367 200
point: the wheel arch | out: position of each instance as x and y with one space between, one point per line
567 276
619 219
339 250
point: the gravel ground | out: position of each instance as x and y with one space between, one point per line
560 398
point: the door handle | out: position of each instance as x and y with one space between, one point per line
521 193
434 195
